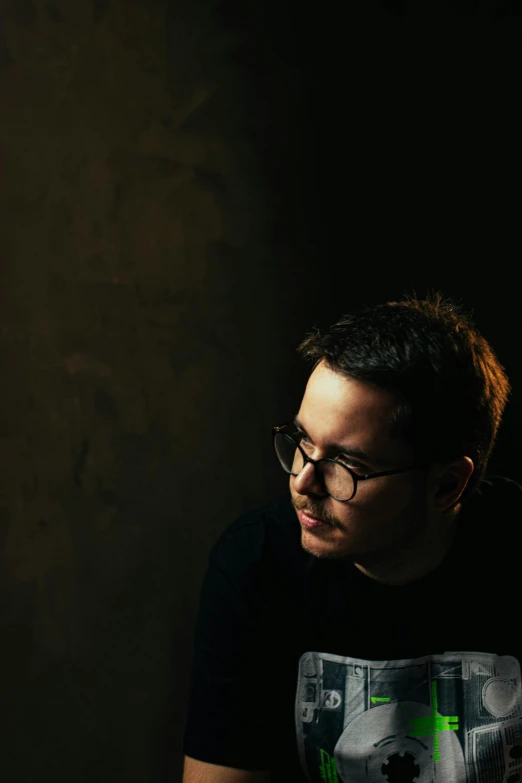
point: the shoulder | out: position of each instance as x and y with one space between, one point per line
495 490
257 561
493 508
266 533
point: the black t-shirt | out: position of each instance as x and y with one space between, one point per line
311 669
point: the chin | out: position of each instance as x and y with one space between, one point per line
324 550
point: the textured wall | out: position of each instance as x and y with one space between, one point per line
140 333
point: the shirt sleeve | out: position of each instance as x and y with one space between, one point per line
229 720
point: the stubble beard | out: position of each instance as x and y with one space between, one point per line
404 536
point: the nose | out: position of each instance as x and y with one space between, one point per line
307 482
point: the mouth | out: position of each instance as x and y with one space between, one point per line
310 522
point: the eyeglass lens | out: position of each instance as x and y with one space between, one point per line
337 480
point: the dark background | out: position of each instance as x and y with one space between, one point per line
186 188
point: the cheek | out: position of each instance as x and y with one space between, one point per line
386 498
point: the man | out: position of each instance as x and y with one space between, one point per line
363 626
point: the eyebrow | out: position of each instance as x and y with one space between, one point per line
350 452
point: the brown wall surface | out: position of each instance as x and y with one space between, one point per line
184 189
140 299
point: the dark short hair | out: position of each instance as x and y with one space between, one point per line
451 386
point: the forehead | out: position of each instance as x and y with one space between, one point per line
339 409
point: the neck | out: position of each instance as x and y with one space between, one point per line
414 559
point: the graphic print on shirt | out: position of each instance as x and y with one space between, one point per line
449 718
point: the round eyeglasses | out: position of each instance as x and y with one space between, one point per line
338 480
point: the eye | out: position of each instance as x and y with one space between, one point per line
304 441
361 470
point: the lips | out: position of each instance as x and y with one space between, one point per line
312 523
314 519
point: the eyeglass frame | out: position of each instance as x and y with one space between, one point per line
355 477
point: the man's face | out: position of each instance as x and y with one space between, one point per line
386 512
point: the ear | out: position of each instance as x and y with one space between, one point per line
450 481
